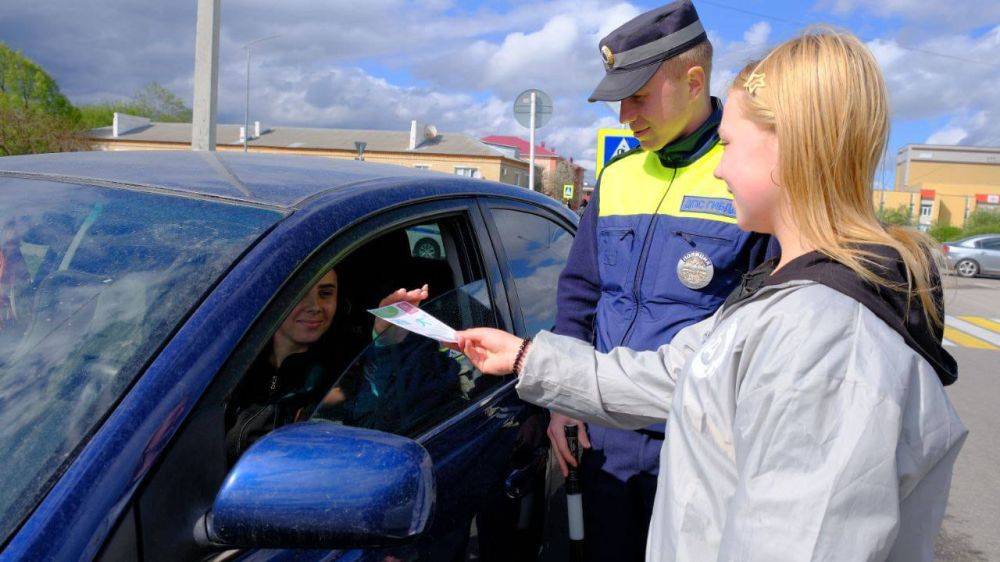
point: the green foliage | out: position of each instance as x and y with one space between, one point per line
982 222
899 216
945 233
552 183
100 114
34 115
152 101
24 84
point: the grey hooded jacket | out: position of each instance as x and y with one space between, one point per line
802 427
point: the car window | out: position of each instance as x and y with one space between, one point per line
326 341
536 250
405 383
991 243
92 282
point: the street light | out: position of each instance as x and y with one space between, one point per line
246 114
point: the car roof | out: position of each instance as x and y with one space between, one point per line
974 238
272 180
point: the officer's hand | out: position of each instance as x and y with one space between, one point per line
557 436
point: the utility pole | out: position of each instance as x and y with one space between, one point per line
246 106
206 76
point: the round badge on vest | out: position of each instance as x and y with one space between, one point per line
695 270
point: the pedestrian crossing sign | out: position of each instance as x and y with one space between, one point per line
568 191
611 143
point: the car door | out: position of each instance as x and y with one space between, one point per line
991 254
533 243
470 438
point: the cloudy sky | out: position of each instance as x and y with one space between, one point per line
458 64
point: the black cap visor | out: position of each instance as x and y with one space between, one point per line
620 84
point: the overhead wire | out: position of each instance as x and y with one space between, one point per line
806 24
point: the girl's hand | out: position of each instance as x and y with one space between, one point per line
413 297
491 351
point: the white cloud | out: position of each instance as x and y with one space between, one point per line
730 56
924 85
758 34
967 14
947 135
379 63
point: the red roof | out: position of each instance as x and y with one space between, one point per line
520 144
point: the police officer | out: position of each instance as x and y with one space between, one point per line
657 249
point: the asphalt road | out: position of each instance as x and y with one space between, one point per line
971 530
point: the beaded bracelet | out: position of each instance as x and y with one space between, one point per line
519 358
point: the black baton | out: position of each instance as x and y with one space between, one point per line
574 501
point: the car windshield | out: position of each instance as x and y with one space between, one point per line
92 283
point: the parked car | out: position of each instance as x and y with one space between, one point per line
976 255
137 288
425 241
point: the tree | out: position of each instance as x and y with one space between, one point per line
982 221
35 116
552 184
152 101
900 216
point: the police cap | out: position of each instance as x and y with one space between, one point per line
634 51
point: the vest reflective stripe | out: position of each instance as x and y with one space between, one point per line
635 184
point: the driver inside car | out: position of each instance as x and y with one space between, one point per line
292 374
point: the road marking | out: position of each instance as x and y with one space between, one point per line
991 325
947 343
966 334
965 340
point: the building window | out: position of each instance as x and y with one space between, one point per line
926 207
467 172
422 166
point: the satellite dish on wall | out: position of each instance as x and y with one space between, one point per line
430 132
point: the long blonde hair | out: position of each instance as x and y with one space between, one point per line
823 95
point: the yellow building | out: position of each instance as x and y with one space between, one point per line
451 153
943 184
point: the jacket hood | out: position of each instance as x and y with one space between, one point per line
903 315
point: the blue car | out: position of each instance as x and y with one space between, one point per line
138 290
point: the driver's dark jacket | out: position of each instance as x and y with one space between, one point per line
270 397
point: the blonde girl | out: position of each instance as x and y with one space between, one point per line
807 418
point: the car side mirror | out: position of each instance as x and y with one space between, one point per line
319 484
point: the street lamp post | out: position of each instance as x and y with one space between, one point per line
246 104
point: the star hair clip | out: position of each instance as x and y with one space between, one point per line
754 82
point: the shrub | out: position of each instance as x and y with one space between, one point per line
899 216
945 233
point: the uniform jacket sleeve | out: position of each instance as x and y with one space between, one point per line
580 281
815 438
622 388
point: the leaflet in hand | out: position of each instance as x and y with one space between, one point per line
409 317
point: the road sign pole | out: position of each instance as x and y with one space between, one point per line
532 109
531 146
